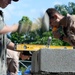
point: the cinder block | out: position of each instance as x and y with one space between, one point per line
53 60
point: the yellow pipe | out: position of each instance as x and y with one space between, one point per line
29 47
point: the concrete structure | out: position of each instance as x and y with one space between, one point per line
54 61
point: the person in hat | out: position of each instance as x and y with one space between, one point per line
13 60
4 41
59 23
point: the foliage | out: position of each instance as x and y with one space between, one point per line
22 69
64 9
17 38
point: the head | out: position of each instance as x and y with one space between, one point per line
54 15
25 55
5 3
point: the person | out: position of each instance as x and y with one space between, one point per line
4 28
63 27
4 41
13 61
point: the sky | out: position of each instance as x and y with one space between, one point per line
30 8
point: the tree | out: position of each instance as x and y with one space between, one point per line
64 9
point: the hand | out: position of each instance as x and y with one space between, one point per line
55 23
54 29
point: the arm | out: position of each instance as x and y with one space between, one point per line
57 35
55 32
11 46
7 29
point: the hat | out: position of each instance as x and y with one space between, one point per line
27 53
45 21
15 0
